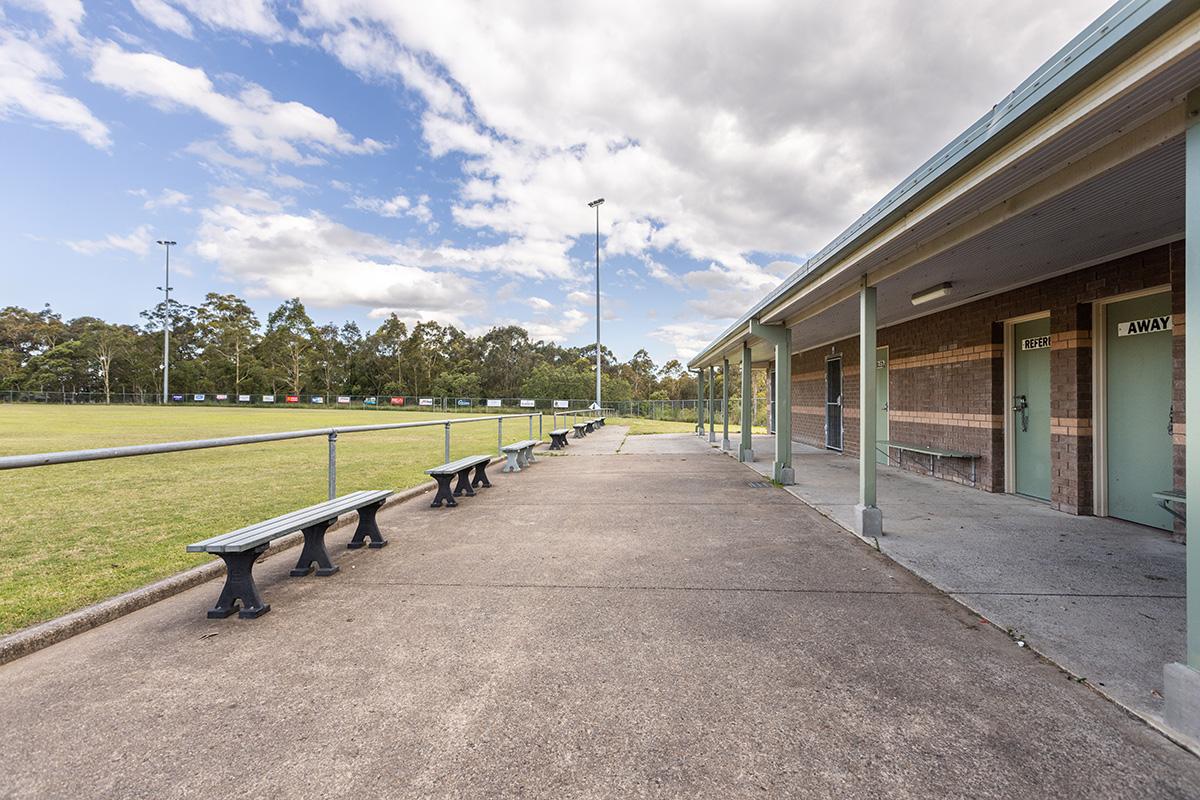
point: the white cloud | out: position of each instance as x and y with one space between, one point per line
164 15
27 72
254 122
137 241
167 198
395 207
539 303
687 338
65 15
253 17
556 330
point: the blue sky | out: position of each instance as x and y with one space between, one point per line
435 160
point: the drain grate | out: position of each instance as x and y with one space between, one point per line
758 485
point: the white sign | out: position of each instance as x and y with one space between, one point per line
493 403
560 404
199 398
1151 325
317 399
526 404
243 398
425 401
343 400
1036 343
268 398
222 397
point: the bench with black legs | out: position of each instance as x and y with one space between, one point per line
599 422
519 455
590 426
241 548
558 438
580 429
466 484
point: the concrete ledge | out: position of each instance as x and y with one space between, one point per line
1181 691
868 521
34 638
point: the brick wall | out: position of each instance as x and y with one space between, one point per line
946 376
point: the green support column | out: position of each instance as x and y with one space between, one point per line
781 338
1181 682
700 402
746 451
868 519
712 409
725 403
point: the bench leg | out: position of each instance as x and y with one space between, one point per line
239 586
367 528
481 478
464 484
443 492
523 457
529 457
555 443
512 464
314 551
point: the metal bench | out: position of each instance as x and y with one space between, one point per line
466 484
591 426
558 438
599 422
935 454
1168 496
580 429
241 548
519 454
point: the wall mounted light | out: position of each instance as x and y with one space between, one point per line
932 293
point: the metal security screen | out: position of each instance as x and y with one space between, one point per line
833 404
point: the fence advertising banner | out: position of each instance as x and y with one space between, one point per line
317 399
293 398
462 401
561 404
243 398
343 400
397 401
527 404
268 398
425 401
493 403
222 397
371 401
199 398
177 397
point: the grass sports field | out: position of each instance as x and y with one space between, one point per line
79 533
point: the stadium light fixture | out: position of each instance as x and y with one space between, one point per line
166 290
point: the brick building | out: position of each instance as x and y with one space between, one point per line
1020 300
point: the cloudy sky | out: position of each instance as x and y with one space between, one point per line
436 159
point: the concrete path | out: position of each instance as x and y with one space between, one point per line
600 625
1101 597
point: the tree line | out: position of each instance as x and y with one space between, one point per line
222 345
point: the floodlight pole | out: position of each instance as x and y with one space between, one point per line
596 205
166 290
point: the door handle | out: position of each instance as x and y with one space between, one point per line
1020 406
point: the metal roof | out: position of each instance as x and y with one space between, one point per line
1121 31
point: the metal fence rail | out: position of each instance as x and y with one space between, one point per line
128 451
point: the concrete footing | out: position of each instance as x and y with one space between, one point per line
787 476
868 521
725 445
746 456
1181 691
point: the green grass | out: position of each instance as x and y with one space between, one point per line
79 533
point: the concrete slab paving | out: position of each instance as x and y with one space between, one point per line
567 634
1101 597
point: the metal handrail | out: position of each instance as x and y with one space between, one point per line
102 453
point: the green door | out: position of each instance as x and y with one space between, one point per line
1030 408
881 402
1138 407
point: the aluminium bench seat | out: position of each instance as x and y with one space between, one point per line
461 468
935 454
1168 496
519 454
558 438
241 548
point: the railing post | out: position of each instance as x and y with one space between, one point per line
332 464
499 434
447 442
539 416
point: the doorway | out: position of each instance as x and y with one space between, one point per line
881 403
1029 408
1137 408
833 403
